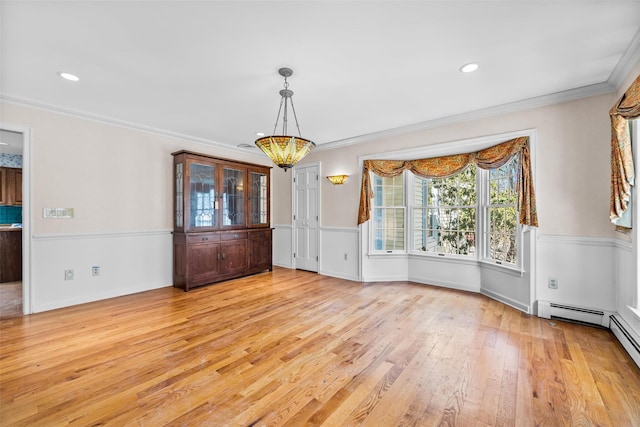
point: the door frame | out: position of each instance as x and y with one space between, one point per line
294 202
27 297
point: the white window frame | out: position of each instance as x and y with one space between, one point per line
452 148
372 249
634 128
412 207
484 204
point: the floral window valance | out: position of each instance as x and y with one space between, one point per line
445 166
622 173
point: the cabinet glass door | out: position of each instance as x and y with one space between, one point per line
202 210
233 197
258 199
179 173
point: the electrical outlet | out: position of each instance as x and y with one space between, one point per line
68 275
553 283
95 270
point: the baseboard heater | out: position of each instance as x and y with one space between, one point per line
550 310
629 340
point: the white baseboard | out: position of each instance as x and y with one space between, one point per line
627 337
508 301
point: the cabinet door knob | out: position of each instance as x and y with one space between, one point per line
235 236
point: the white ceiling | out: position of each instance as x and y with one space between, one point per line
207 70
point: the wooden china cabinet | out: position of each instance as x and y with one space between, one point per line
221 219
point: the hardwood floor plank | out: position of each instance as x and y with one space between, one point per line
296 348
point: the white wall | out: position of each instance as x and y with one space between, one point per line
627 249
119 182
575 241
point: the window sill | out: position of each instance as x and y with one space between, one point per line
635 312
454 259
514 271
458 259
387 255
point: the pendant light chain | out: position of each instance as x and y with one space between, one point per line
295 117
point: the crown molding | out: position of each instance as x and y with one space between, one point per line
540 101
629 60
526 104
126 125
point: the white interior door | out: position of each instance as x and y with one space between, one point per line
305 218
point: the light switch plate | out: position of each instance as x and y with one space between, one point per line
57 213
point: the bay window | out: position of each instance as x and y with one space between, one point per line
471 214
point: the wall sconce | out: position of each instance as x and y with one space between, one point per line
337 179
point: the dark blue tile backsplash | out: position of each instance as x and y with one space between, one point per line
10 214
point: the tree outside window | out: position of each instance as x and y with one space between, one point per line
444 214
502 213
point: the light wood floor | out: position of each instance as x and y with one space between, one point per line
296 348
10 299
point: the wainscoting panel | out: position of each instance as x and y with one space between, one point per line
583 268
129 262
445 273
339 255
282 240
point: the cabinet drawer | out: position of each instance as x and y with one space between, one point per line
234 236
260 234
203 238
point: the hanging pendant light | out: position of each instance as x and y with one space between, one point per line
285 150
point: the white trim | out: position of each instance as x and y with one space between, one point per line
131 126
110 234
283 226
442 284
536 102
447 148
341 229
623 245
624 67
576 240
505 300
452 258
339 275
289 226
508 269
625 334
95 297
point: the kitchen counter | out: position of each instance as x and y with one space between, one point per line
10 254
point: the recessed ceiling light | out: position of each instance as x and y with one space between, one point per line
260 134
3 143
68 76
246 146
469 68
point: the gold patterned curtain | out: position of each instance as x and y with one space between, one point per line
622 173
445 166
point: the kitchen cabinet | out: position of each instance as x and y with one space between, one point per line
10 254
221 219
10 186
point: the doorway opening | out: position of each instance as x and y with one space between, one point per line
14 221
